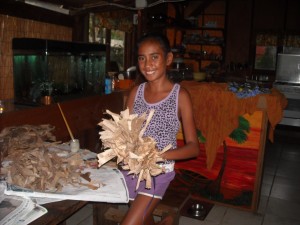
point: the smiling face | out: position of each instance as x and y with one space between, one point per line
153 59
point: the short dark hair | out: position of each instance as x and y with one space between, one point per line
158 37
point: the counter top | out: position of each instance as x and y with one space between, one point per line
11 105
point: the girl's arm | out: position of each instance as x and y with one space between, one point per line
191 148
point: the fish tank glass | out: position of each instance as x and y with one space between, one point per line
56 68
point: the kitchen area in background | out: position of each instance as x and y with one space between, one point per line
221 40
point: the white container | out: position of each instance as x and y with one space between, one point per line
75 146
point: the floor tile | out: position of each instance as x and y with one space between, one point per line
189 221
273 149
216 214
265 189
277 220
293 156
292 149
239 217
286 192
290 182
289 169
262 206
270 169
283 208
268 179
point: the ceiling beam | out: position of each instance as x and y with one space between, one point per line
19 9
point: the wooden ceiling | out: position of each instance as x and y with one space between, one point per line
64 11
75 7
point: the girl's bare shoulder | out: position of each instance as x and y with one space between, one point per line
183 93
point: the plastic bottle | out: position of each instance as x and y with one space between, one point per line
1 107
108 84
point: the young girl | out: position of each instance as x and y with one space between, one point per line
172 105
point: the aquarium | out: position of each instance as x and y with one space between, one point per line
57 69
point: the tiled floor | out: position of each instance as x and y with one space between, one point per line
280 193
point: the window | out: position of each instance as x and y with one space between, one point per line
103 30
266 51
265 57
117 49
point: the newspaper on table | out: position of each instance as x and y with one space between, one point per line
20 206
15 210
112 188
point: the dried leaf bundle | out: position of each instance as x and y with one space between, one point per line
33 166
42 170
123 137
18 139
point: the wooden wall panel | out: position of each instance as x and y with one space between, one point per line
238 31
269 15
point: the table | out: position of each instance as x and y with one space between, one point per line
58 212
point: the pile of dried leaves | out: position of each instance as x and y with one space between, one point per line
33 165
122 136
18 139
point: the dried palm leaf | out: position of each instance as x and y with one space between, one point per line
123 137
33 166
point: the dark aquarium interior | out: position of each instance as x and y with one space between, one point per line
57 69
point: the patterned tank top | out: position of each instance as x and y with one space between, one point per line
164 124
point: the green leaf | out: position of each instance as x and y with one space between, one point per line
201 138
240 134
244 124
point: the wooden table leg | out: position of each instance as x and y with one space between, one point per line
99 210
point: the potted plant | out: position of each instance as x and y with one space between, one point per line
46 89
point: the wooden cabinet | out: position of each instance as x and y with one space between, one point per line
200 40
205 45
